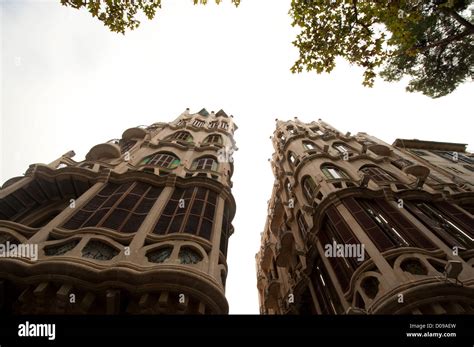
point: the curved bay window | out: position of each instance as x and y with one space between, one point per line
205 163
189 210
181 136
120 207
309 188
163 160
385 225
451 225
337 232
213 139
41 200
378 175
332 172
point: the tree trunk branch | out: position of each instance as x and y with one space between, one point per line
460 19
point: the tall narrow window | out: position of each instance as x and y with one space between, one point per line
451 156
333 172
188 211
382 221
163 160
337 231
377 174
205 163
302 224
324 289
182 136
214 139
465 158
120 207
386 226
309 188
225 230
198 123
292 159
444 225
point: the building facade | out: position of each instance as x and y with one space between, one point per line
141 226
358 226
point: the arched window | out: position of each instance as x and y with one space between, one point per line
332 172
205 163
377 174
188 211
164 160
309 188
120 207
309 146
214 138
292 159
182 136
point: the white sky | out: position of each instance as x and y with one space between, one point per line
68 83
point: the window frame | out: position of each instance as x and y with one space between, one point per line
205 163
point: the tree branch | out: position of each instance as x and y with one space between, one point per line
460 19
445 41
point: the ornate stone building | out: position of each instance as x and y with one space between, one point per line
140 226
358 226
